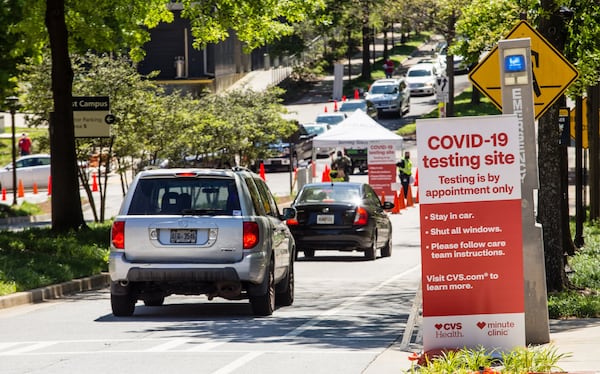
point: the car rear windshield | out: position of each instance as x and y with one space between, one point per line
419 73
340 193
195 196
390 89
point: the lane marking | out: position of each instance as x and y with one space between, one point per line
27 348
168 345
238 363
331 312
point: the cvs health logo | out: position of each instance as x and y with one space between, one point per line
449 326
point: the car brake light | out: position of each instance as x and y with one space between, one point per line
118 234
186 174
251 234
292 222
361 217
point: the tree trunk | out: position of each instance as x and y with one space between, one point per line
66 202
550 194
366 43
366 53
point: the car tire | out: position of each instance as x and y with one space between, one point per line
122 305
309 253
386 250
154 301
371 253
284 295
264 305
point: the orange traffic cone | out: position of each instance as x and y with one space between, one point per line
417 196
4 194
356 94
326 177
94 183
409 198
21 190
262 171
49 185
325 110
401 199
396 208
382 197
344 98
416 184
35 188
335 107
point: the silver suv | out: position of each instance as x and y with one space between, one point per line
389 96
201 231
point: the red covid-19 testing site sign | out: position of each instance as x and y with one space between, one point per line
471 234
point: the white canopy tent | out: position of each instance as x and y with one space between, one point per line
358 131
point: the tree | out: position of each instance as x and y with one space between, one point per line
111 25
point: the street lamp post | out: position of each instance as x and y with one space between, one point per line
13 102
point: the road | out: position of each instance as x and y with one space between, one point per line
347 311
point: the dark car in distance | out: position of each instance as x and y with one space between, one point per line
342 216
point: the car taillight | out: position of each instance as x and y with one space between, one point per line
292 222
118 234
361 217
251 234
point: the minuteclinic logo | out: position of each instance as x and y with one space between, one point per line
448 330
497 328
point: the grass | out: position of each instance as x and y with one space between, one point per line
5 143
38 257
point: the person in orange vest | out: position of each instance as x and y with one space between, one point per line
405 172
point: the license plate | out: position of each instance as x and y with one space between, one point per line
325 219
183 236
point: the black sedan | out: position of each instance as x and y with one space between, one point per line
342 216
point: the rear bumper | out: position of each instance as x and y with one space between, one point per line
344 239
251 269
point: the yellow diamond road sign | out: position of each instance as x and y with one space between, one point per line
552 72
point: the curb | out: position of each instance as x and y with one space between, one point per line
57 291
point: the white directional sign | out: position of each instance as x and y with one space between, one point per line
91 116
442 90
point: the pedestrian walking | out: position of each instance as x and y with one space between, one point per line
388 67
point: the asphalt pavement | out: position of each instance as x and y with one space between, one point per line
579 338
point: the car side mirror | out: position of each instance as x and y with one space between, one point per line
288 213
388 205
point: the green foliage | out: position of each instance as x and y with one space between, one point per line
532 359
24 209
520 360
153 124
39 257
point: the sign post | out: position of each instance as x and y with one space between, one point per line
551 72
91 117
517 83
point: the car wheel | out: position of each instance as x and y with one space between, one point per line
386 250
154 301
122 305
284 295
264 305
309 253
370 253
